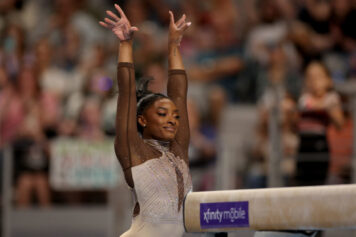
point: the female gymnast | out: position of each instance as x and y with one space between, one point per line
152 135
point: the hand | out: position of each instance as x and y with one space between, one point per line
176 30
119 25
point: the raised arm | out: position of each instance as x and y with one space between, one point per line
177 80
126 128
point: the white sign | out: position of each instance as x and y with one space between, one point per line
83 165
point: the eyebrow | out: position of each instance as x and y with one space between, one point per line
175 111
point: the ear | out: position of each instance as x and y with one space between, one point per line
142 121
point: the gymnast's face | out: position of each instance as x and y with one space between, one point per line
160 120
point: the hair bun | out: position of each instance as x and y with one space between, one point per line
142 87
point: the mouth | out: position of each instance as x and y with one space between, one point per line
170 129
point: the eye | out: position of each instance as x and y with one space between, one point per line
177 117
161 114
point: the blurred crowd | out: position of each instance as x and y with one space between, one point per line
58 79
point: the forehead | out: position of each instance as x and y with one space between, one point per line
164 103
316 68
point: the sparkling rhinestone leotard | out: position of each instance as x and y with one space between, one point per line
160 186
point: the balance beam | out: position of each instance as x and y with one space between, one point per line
294 208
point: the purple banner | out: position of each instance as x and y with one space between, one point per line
224 215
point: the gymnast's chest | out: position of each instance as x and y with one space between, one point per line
158 185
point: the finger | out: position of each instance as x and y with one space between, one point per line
180 22
122 14
104 24
171 17
111 22
113 15
185 26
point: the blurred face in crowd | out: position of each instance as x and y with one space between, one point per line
27 83
318 81
160 120
43 52
91 113
319 9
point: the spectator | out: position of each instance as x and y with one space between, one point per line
343 17
341 60
54 79
311 32
276 80
11 112
259 153
271 31
31 146
13 49
258 166
278 71
319 106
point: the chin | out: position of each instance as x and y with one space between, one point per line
168 137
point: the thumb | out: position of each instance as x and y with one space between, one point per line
134 28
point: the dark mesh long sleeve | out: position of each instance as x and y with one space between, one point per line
126 127
177 91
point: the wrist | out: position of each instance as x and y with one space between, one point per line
126 42
125 51
174 42
173 46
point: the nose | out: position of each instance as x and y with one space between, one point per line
172 121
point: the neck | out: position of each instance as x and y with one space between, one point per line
161 142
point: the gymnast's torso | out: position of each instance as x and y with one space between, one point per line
160 187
